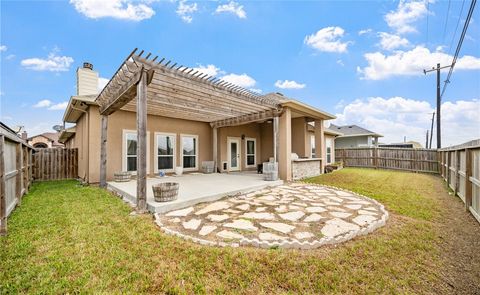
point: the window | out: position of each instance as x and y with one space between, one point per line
250 144
165 151
329 150
189 152
312 146
129 151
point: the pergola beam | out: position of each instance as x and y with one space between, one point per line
246 119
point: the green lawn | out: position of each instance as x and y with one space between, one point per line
70 238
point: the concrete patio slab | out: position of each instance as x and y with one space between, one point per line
195 188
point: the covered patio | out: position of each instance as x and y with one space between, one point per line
161 88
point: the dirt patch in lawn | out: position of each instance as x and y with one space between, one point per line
460 246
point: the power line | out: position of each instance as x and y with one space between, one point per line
456 28
446 21
459 46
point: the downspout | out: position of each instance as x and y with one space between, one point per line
87 118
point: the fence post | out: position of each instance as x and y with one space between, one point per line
375 157
447 174
18 177
468 174
457 169
3 201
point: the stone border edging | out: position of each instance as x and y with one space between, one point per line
294 243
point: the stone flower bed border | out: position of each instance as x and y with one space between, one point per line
294 243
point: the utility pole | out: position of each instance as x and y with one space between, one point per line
439 133
426 140
431 130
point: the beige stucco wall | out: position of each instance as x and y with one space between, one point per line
300 138
332 137
122 120
266 134
87 140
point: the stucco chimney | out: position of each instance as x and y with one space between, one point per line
24 135
87 80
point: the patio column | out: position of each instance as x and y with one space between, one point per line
142 143
103 152
214 148
285 145
275 138
320 151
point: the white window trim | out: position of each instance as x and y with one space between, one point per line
312 145
124 150
229 159
155 163
326 150
254 152
196 149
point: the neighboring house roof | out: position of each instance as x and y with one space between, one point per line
50 136
412 144
311 127
352 131
66 134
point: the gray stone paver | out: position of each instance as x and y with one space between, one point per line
292 215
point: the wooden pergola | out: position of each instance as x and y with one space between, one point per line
147 86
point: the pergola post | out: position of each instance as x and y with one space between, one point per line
142 143
215 150
284 148
320 151
103 152
275 138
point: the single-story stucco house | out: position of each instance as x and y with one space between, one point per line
190 118
352 136
45 140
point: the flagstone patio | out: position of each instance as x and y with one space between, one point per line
294 215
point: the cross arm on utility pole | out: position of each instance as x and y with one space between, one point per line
439 97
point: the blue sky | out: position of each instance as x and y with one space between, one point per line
360 60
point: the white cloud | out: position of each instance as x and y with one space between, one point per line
232 7
407 13
58 106
286 84
365 31
119 9
43 104
210 70
185 10
411 63
391 41
3 48
102 82
242 80
340 62
328 40
53 63
48 104
397 117
10 56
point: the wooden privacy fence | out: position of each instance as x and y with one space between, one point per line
460 168
417 160
15 174
55 163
